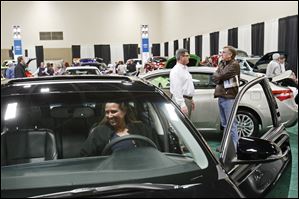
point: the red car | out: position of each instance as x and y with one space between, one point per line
155 63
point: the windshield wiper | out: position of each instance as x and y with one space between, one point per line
106 190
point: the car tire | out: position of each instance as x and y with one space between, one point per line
248 124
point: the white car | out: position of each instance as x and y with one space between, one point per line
253 115
82 70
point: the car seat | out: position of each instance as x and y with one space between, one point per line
27 146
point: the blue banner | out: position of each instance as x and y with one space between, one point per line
145 45
17 47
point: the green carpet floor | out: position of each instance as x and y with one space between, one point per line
287 185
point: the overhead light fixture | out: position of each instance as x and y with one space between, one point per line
16 32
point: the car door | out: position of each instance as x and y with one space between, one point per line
206 114
254 179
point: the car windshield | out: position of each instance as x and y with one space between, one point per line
241 53
252 62
68 118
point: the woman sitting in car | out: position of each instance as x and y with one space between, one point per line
119 121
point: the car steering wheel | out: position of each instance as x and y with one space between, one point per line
108 146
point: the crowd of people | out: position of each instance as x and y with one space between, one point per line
20 70
120 68
277 66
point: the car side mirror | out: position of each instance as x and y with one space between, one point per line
256 150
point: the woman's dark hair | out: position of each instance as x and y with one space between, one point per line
66 64
130 116
20 58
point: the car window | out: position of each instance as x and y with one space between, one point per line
82 72
202 81
243 65
161 81
72 117
241 53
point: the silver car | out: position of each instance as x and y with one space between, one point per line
82 70
253 115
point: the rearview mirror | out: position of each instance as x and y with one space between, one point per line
256 150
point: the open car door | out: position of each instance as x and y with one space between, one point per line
258 162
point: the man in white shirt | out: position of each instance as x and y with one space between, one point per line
273 68
181 84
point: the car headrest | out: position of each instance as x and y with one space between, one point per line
60 112
83 112
35 113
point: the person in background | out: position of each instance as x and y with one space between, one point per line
292 80
282 62
131 66
59 69
285 66
20 68
226 79
10 72
181 84
40 71
121 68
274 68
50 69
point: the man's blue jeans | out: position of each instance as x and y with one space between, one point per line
225 108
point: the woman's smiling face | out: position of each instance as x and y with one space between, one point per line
115 116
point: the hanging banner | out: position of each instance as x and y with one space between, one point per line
145 45
17 47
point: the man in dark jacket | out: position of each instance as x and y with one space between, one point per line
20 68
227 79
131 66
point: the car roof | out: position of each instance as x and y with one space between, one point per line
82 83
201 69
193 60
191 69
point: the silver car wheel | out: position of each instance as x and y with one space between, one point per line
245 125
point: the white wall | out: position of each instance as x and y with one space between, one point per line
184 19
81 22
117 23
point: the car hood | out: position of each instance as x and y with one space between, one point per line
193 61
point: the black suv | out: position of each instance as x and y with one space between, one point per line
46 121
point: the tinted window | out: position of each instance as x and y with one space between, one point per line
202 81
